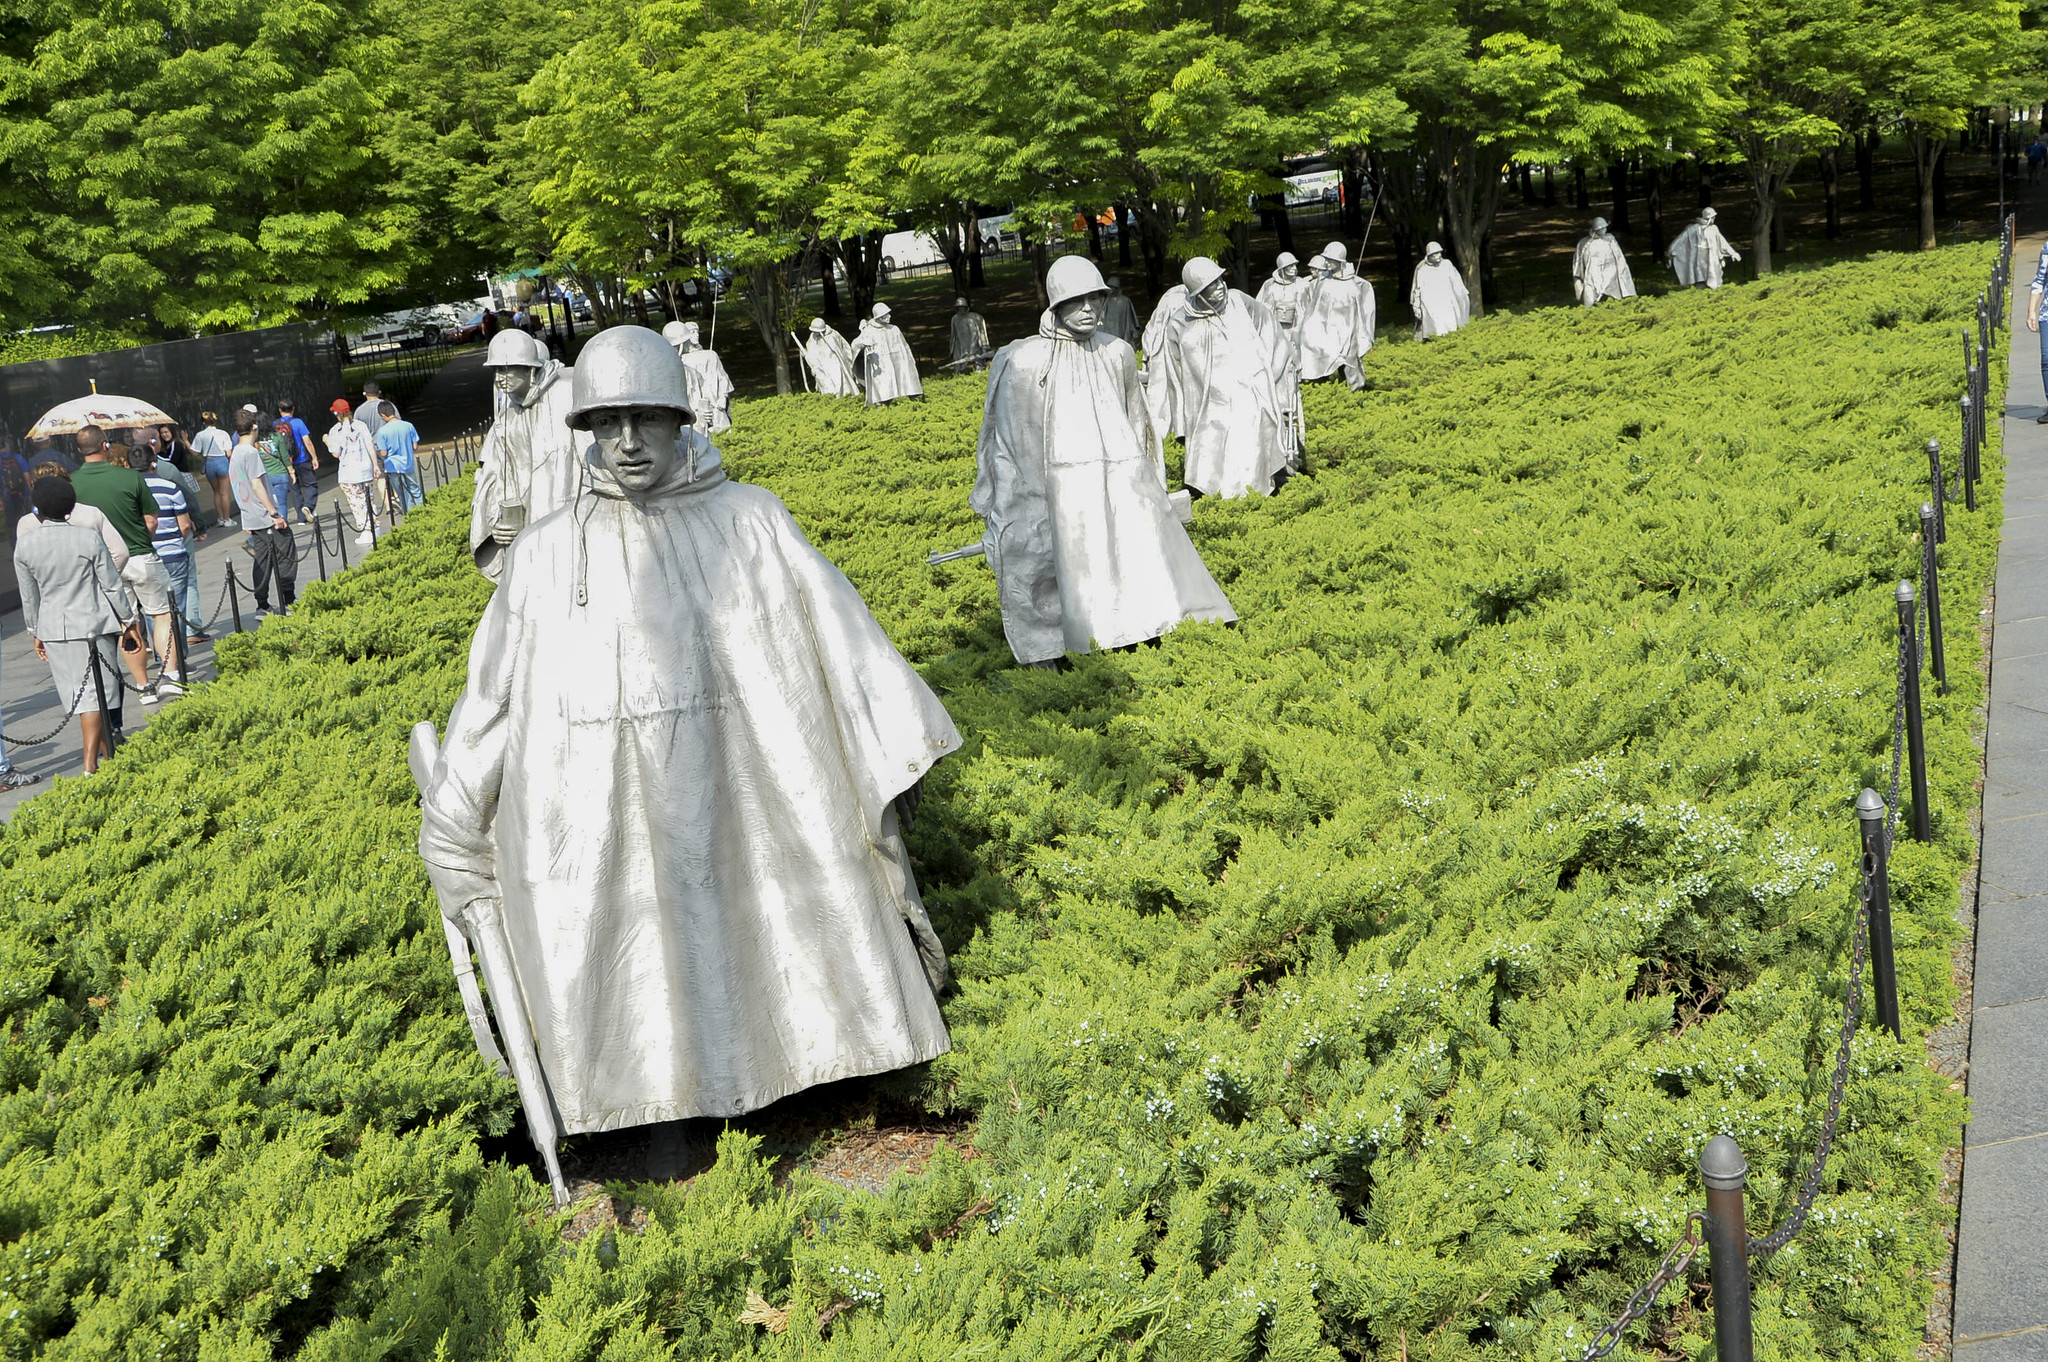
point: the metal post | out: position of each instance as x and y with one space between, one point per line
340 537
370 514
1726 1172
1870 822
1934 481
320 551
1930 589
1969 451
1916 738
235 601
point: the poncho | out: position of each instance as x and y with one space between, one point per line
885 363
1223 372
1439 299
1120 318
970 339
531 459
1600 269
1086 550
832 364
1338 315
670 775
1698 253
710 389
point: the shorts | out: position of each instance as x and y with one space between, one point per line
145 577
216 466
68 671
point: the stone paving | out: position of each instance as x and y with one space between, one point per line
2001 1310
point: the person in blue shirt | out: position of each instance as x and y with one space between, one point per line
304 491
398 442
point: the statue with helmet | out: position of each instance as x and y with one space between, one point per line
529 458
1438 296
888 370
1338 317
710 385
1600 267
1219 362
1120 314
1286 295
970 347
1089 549
667 814
834 371
1699 254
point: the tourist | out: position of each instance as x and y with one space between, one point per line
121 495
370 411
304 491
212 444
260 500
172 538
72 604
398 441
355 460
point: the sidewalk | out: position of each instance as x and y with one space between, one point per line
2001 1283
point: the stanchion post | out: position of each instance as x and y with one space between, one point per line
1934 482
234 600
99 687
370 515
320 551
1969 448
1870 823
1726 1173
1916 738
1930 589
340 537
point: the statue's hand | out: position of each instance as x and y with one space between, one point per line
503 535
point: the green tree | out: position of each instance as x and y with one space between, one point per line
193 166
1936 62
729 128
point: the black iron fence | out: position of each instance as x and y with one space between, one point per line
1721 1228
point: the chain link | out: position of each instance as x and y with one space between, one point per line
1676 1261
1765 1247
76 701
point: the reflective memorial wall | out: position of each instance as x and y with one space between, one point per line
299 364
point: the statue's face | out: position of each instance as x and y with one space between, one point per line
1323 267
1212 296
637 443
1287 272
1079 317
513 380
1435 257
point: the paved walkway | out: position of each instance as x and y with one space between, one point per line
2001 1312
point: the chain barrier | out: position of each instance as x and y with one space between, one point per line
69 714
1676 1261
1852 1010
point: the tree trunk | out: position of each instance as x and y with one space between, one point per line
1617 180
1283 225
1528 186
1489 287
1579 199
1766 181
640 307
1927 149
1941 180
1094 238
1653 204
1123 235
1549 188
861 257
765 297
1039 265
1239 263
1866 168
1778 231
1153 230
1354 194
1706 185
1470 176
975 277
1831 188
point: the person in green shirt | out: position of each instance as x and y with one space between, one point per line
119 493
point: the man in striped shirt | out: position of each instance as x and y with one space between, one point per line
171 537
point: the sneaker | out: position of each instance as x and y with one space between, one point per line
198 636
149 695
228 525
365 538
249 547
303 520
170 685
11 779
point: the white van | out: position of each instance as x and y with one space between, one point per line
901 250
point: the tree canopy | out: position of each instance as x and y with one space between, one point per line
177 168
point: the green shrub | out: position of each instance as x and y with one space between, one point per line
1362 980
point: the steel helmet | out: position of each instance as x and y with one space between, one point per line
881 312
1199 273
817 325
1336 252
1284 259
1072 276
514 349
628 366
673 333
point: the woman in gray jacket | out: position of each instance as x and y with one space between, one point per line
74 605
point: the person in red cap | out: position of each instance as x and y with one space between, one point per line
355 462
